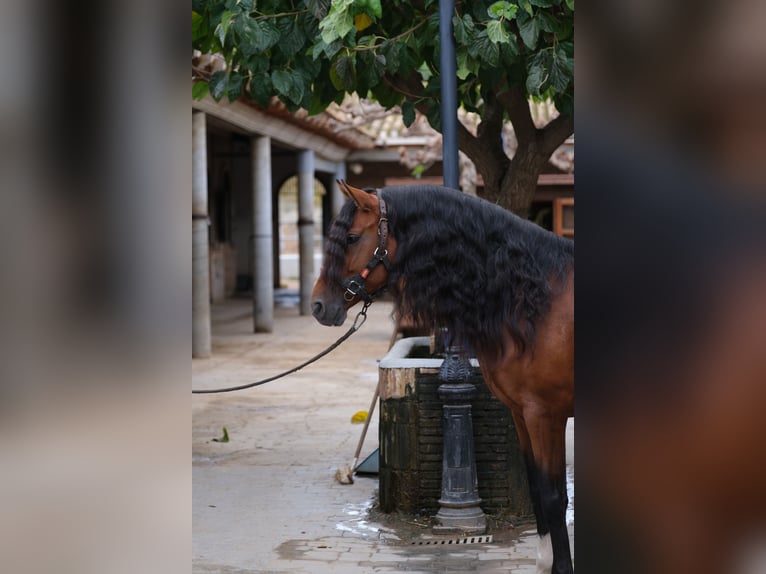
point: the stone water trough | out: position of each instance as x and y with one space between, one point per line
411 444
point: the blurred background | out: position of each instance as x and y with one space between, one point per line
95 293
94 313
671 376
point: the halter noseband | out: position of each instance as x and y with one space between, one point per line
354 285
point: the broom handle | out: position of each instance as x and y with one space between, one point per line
366 424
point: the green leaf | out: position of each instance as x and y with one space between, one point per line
387 97
282 81
527 7
370 69
466 65
564 104
223 27
509 51
463 28
264 34
375 8
327 50
291 36
549 23
244 29
570 4
256 64
318 8
198 26
200 89
218 82
224 438
234 86
390 51
462 65
317 105
529 30
484 49
417 171
261 89
562 71
502 9
338 22
434 117
537 72
408 112
342 73
541 3
497 33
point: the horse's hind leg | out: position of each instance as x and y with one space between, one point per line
548 473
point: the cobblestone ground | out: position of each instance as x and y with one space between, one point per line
267 501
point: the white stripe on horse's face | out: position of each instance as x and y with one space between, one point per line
544 554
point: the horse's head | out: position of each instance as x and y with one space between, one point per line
357 257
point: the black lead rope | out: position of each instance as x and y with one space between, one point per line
359 320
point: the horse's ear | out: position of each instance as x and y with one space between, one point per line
364 201
342 186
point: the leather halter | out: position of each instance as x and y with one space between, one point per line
354 285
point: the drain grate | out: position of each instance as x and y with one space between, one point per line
484 539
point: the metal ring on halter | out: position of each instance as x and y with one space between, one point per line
351 292
378 255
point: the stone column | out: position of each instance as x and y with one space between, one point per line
263 236
459 509
306 228
200 258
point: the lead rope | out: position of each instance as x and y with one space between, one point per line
359 320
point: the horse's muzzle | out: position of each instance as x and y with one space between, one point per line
328 315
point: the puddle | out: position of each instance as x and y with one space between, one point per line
357 522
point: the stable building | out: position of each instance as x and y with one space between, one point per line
249 166
264 193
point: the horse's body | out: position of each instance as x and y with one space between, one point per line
502 286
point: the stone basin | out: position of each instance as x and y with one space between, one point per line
410 434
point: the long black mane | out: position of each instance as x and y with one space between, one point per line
465 264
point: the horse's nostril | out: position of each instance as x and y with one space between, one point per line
317 308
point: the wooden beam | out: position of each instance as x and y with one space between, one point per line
256 122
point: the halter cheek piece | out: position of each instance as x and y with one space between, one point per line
354 285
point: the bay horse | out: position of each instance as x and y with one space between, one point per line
501 285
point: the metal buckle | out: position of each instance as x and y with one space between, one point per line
350 291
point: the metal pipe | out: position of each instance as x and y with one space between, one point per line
448 67
459 509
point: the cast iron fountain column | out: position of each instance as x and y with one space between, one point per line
459 503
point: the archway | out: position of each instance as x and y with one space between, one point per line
289 264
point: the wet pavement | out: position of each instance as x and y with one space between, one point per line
267 501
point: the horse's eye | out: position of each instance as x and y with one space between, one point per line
351 239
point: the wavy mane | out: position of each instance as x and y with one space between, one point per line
465 264
335 247
473 267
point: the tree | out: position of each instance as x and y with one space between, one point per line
310 53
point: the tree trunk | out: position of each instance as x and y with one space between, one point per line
515 189
512 182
